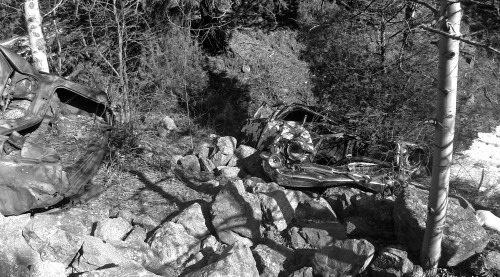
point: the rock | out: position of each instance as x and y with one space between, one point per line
271 212
95 254
319 235
339 199
270 260
462 235
190 163
236 260
296 239
343 258
220 159
236 214
125 214
206 164
203 149
135 250
375 208
193 220
288 200
315 210
226 145
359 227
391 262
48 269
111 229
127 269
228 171
245 68
257 185
16 256
242 152
418 271
146 222
253 165
488 219
175 160
168 123
174 244
137 234
486 263
57 237
303 272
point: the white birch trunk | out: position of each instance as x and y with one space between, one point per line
35 34
444 135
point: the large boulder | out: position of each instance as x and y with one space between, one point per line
270 259
486 263
343 258
193 220
236 260
173 244
16 256
462 234
126 269
95 254
236 215
112 229
319 235
57 237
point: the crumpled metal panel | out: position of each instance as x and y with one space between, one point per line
27 184
33 177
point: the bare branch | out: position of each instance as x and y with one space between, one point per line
460 38
434 10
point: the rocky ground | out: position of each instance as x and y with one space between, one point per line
208 210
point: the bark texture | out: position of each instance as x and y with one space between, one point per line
37 42
444 134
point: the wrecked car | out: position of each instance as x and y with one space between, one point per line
300 148
53 136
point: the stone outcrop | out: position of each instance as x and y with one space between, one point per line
343 258
391 262
236 215
462 235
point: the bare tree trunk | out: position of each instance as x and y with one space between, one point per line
444 135
35 34
119 20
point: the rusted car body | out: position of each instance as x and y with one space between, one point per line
32 174
300 148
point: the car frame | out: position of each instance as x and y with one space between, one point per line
32 177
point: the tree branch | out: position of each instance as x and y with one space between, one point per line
434 10
460 38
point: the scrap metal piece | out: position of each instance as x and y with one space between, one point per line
32 175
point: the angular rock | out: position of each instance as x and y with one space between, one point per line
220 159
146 222
271 212
253 166
193 220
16 256
190 163
203 150
339 199
111 229
315 210
343 258
226 145
125 214
48 269
236 260
173 244
303 272
137 234
123 270
57 237
257 185
296 239
236 214
135 250
288 200
206 164
270 260
228 171
462 235
95 254
319 235
359 227
486 263
375 208
391 262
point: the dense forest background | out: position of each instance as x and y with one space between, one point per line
209 64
